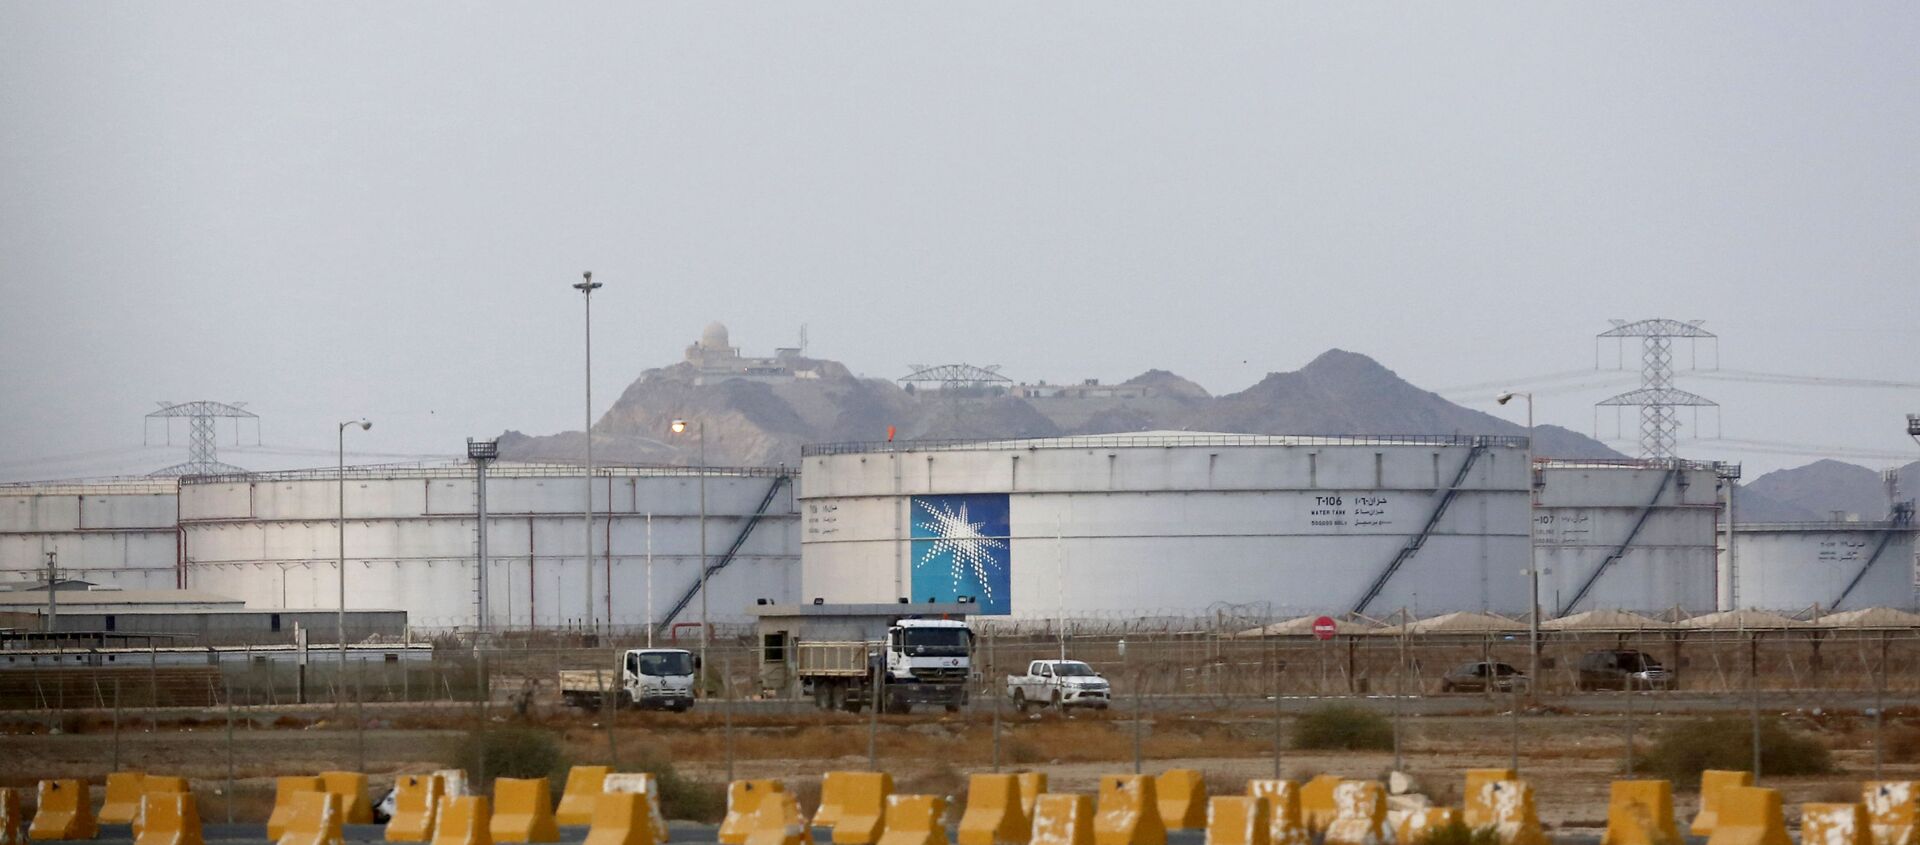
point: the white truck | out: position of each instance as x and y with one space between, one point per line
1060 684
920 661
653 678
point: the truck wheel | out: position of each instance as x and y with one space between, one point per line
953 708
1020 700
1056 700
623 701
822 697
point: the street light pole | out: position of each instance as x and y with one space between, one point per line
1533 562
700 433
340 619
587 286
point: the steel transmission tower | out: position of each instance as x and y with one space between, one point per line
202 458
1657 397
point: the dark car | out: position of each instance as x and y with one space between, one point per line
1623 669
1478 677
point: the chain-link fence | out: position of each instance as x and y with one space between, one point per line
1234 703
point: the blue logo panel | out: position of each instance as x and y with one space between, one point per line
961 548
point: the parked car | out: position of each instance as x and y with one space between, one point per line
1478 677
1622 669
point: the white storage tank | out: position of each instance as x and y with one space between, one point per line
1170 524
117 532
1626 535
1792 566
272 539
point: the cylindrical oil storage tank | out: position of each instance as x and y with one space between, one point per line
1626 535
411 544
1792 566
118 532
1170 524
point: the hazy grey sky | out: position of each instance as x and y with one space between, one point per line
331 210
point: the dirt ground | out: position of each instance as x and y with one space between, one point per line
1570 759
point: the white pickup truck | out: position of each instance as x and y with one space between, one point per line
1059 683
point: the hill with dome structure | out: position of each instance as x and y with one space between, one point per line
761 410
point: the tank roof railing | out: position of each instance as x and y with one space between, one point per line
1825 525
1113 441
1624 463
129 486
503 469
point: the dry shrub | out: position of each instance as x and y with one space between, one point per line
511 752
1342 727
1457 833
1686 748
684 798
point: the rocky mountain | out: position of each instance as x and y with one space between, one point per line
1817 490
766 422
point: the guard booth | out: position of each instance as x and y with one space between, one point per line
810 641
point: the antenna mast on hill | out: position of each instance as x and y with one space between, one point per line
202 457
1657 397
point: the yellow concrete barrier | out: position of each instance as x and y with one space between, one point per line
1182 796
1515 819
1316 802
284 791
640 783
743 800
777 821
1834 824
863 807
169 818
1419 824
1128 812
994 814
1474 811
915 820
584 785
1892 807
1360 815
352 789
66 811
1238 820
314 818
1640 812
13 817
1032 786
832 786
1711 782
1284 826
1062 819
465 821
1749 815
453 782
122 802
416 802
156 785
523 811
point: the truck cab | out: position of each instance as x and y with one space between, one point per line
653 678
928 661
660 678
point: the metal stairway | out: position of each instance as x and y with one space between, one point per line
693 590
1620 551
1413 545
1900 517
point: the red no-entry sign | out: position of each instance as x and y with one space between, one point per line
1323 627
